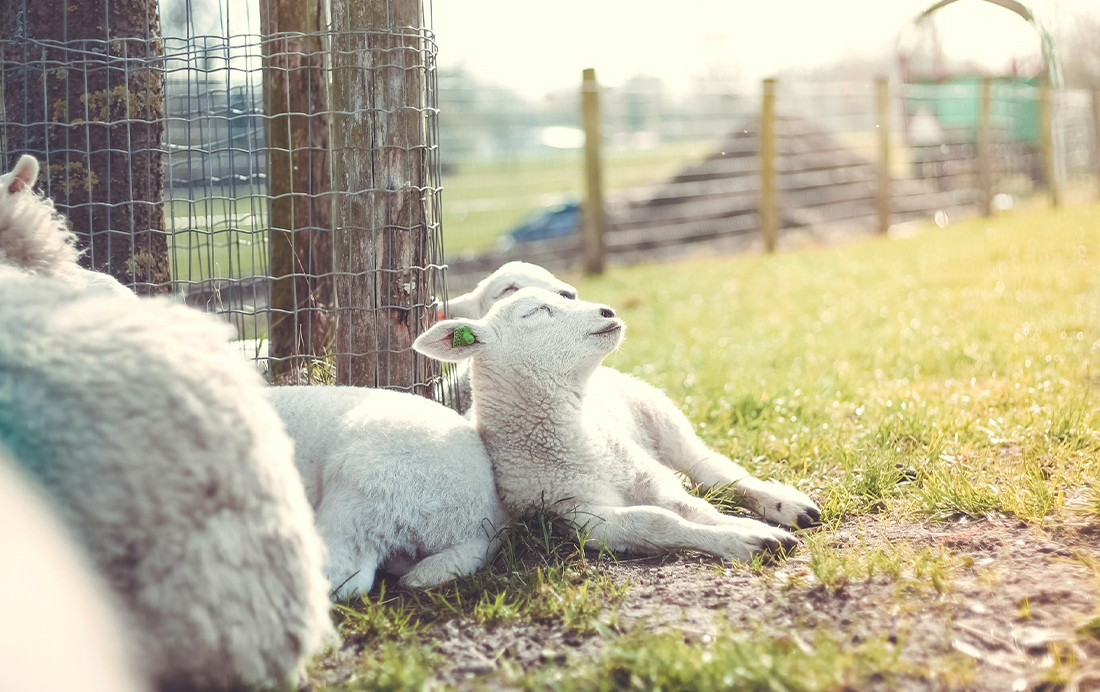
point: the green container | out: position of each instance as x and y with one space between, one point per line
954 104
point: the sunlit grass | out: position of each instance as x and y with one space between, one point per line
735 659
949 372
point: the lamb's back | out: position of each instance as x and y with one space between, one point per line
414 464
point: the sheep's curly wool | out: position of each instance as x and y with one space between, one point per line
36 239
155 441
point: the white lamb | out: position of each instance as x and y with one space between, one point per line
37 239
154 440
659 421
54 608
397 482
558 440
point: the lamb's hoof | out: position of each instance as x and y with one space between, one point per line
808 517
784 544
775 545
787 506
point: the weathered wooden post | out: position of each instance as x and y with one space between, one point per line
1046 136
595 215
381 204
769 212
1096 136
882 110
298 183
84 93
985 145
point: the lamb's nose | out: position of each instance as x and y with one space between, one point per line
607 312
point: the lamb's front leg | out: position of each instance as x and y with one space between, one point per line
651 530
662 488
679 448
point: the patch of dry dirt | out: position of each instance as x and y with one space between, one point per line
979 615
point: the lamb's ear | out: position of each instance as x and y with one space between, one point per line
24 174
453 340
465 305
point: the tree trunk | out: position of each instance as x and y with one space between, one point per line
298 182
384 281
84 92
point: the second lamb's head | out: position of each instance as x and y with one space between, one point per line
503 283
33 238
534 335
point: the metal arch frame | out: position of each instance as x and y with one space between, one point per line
1054 71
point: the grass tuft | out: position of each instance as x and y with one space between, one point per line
542 573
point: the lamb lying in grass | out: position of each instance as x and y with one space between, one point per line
153 439
36 239
397 482
54 608
558 440
659 422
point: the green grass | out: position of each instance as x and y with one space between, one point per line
950 373
541 573
735 659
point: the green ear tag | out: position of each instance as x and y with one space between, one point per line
464 336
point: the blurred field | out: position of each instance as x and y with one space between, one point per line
484 199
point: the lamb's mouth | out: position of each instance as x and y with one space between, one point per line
609 329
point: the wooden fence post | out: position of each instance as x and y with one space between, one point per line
595 215
985 145
1096 135
769 213
380 215
1046 134
882 110
298 182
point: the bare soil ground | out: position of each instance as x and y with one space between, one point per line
1006 616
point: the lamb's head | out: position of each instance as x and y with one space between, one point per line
33 237
504 282
533 334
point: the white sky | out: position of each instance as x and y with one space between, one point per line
536 47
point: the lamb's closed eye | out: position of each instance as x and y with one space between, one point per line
547 308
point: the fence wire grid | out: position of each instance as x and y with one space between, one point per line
272 161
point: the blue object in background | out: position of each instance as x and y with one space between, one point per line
548 223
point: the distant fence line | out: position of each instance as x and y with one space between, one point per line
825 158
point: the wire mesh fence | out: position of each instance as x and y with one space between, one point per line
683 169
275 162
